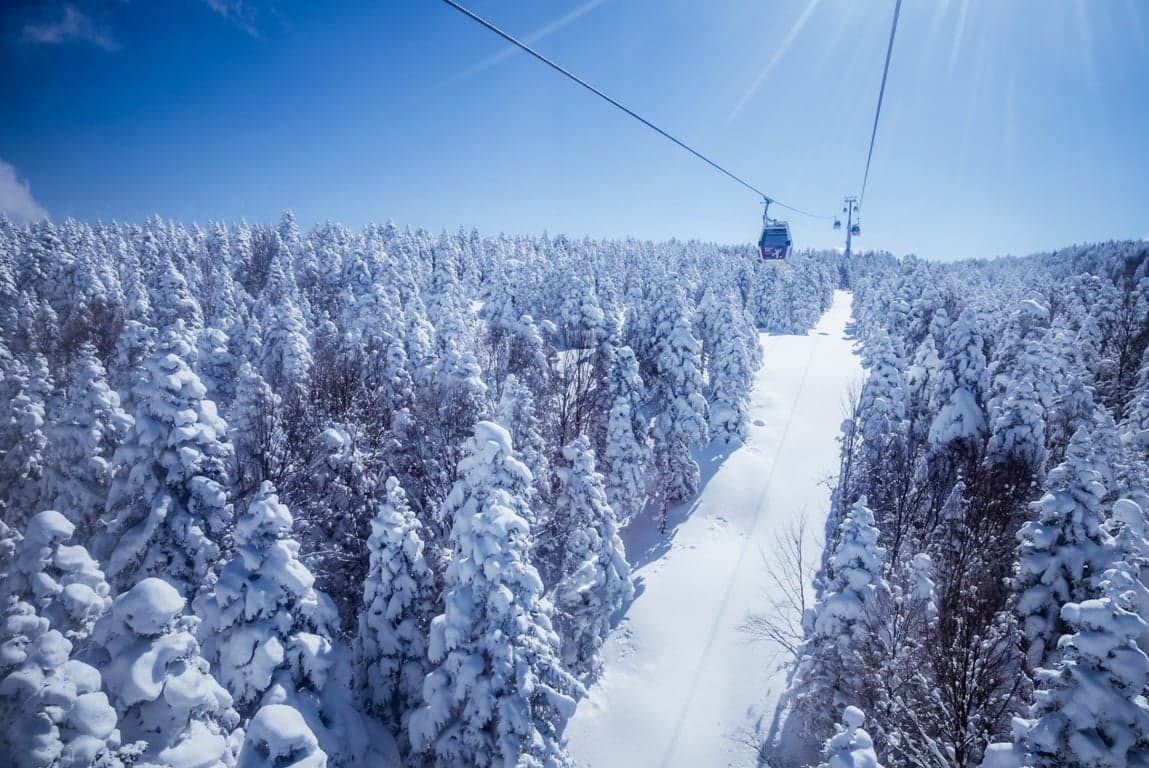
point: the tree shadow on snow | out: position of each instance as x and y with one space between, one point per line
646 539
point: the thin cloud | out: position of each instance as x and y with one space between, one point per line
238 12
16 201
72 26
533 37
779 52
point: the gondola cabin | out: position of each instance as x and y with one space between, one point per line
774 244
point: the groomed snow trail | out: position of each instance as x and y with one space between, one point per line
682 685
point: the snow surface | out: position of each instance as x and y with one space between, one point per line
682 685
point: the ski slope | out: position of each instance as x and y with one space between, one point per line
682 684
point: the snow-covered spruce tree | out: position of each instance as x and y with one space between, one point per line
732 366
256 430
263 600
921 378
82 442
497 693
278 737
958 400
626 454
851 746
53 713
1090 707
167 509
831 670
1018 433
216 365
61 581
1061 554
22 439
1073 409
680 410
285 358
593 574
884 468
160 685
516 412
399 597
1135 424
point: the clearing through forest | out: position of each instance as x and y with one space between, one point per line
682 685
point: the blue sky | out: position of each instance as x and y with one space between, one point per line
1010 126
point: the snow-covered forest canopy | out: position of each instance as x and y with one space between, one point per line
982 593
354 498
282 498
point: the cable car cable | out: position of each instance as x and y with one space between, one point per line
560 69
881 94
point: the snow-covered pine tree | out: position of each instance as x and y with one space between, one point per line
277 736
497 693
82 442
399 597
264 599
53 713
959 396
160 685
1061 554
22 438
921 378
1018 433
517 414
167 509
1090 707
830 671
61 581
593 574
851 746
1135 424
680 410
626 454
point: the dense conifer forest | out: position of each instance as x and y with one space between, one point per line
354 498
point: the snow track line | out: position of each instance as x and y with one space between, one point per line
722 604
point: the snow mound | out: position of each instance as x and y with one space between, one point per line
149 607
278 737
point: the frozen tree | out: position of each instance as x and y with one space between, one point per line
173 303
22 438
261 603
167 507
53 713
831 667
160 685
851 746
679 406
516 413
399 597
1135 425
1090 707
497 693
216 365
285 358
594 576
921 378
61 581
627 451
81 443
256 429
278 737
1073 409
959 395
1063 551
1018 432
